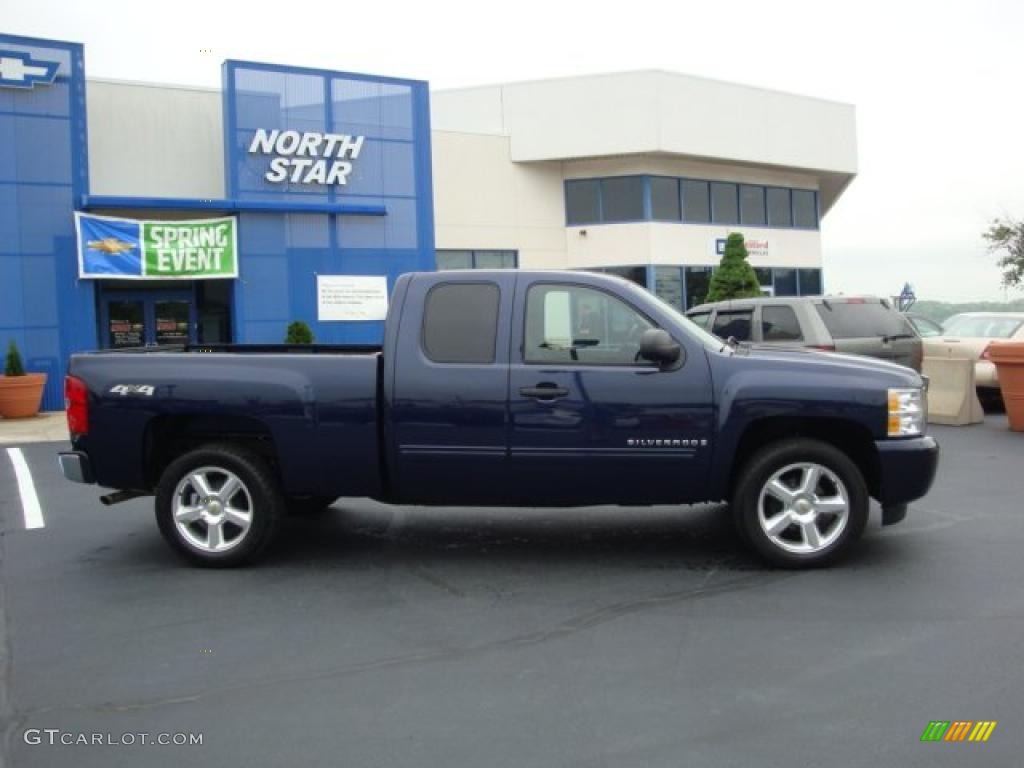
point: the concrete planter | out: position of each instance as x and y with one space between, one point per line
1009 360
20 396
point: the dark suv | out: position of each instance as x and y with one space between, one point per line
857 325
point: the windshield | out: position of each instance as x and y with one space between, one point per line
982 327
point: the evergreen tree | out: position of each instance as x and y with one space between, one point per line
12 363
734 278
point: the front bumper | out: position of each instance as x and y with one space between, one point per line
76 467
907 469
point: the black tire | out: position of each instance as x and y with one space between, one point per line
308 506
261 501
763 466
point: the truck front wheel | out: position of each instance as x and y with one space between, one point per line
800 503
218 506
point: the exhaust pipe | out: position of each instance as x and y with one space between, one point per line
118 496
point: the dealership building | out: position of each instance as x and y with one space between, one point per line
138 214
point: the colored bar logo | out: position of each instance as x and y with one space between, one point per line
959 730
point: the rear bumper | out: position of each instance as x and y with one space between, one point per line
76 467
907 469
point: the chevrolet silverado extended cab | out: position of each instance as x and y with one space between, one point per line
504 388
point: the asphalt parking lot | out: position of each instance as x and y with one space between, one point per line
386 636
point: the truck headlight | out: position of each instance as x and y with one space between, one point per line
907 412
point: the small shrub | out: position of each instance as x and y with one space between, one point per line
298 333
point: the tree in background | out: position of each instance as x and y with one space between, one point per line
734 278
1006 238
298 333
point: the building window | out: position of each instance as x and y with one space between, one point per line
752 205
622 199
724 203
805 209
696 202
785 282
764 277
780 213
668 286
447 336
583 201
448 259
665 199
810 282
698 281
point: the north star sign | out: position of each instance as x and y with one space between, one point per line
18 70
308 157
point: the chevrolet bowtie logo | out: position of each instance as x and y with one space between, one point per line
18 70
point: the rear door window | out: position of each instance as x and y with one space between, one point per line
460 322
779 323
735 323
861 319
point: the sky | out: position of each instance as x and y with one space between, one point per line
937 87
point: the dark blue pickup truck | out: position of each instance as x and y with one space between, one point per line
504 388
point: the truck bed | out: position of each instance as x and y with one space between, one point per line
317 404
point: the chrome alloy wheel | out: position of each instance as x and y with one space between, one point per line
212 509
803 508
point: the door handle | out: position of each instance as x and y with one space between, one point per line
544 391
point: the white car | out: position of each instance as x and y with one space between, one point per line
968 335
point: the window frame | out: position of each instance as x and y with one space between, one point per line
642 364
497 322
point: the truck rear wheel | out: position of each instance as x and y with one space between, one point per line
219 506
800 503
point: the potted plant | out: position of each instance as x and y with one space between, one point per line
1009 359
20 392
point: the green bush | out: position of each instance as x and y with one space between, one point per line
12 363
298 333
734 278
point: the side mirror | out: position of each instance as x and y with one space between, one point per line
658 347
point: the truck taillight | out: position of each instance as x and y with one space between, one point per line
76 403
823 347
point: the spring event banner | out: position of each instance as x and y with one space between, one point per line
131 249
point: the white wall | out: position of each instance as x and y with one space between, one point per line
609 245
659 112
154 140
483 200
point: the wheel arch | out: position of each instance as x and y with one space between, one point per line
849 437
170 436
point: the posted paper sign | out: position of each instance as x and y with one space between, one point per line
129 249
351 297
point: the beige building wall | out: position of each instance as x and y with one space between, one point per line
482 200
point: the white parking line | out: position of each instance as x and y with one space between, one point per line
29 499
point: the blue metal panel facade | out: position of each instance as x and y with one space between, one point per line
282 251
43 173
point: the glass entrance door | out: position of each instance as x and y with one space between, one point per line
147 318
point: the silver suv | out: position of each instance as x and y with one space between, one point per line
857 325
